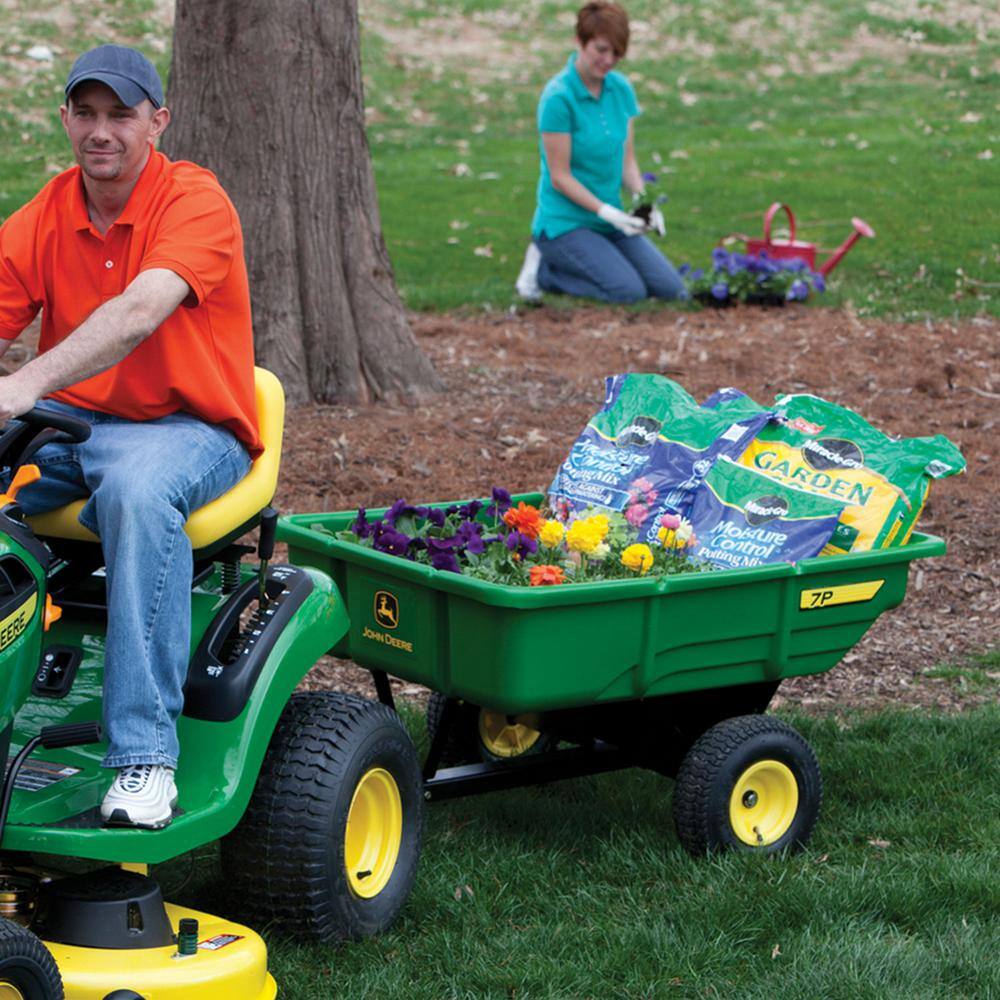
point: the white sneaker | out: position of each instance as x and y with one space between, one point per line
141 795
527 280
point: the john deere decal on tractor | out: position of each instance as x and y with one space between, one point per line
318 797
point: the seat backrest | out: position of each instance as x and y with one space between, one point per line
224 515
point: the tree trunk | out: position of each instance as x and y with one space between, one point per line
269 96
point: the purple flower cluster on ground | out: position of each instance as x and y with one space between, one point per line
751 278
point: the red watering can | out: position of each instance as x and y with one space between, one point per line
793 249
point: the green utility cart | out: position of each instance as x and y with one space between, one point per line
672 673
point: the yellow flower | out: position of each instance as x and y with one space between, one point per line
638 557
667 537
601 523
551 534
584 536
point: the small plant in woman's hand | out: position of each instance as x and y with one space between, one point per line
646 206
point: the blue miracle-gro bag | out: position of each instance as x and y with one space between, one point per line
744 518
647 449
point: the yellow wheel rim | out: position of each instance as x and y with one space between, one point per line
503 738
10 992
374 833
763 803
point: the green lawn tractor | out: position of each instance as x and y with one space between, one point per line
317 797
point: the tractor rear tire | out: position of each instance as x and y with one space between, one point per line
750 783
328 847
27 968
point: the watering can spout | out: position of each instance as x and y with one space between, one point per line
861 228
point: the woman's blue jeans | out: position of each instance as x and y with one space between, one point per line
612 268
143 480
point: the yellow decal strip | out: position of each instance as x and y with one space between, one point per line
14 624
848 593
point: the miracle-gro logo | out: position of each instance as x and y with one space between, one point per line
765 509
833 453
640 433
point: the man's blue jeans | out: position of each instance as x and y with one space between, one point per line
612 268
143 479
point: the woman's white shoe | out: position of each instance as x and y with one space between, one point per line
527 280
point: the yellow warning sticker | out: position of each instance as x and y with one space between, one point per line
16 622
848 593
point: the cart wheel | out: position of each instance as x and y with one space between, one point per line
482 734
751 783
27 969
328 846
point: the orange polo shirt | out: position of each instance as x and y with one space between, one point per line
200 359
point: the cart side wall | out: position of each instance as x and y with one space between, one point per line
588 643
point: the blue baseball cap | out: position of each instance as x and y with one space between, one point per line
126 71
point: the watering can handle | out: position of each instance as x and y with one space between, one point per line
769 215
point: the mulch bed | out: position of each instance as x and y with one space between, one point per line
521 385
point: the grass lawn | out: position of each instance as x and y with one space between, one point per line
854 107
580 888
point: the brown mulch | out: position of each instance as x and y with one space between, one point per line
520 386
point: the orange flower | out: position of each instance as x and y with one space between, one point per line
541 575
524 518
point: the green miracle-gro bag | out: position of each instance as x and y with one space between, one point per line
828 449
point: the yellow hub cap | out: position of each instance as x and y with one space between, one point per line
374 833
503 738
763 804
9 992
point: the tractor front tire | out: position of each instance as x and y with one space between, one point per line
27 968
328 847
750 783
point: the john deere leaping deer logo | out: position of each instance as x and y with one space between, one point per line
386 609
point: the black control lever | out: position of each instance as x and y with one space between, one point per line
265 549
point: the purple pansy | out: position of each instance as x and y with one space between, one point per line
720 291
390 541
360 525
446 561
501 502
819 282
649 178
520 544
470 537
798 291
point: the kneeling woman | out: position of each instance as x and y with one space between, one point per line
583 243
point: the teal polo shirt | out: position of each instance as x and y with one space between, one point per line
598 127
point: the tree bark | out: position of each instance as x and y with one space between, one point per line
268 95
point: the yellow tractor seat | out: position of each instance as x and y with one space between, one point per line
226 517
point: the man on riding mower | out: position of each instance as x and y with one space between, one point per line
136 264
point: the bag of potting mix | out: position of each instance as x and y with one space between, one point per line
829 450
647 449
743 518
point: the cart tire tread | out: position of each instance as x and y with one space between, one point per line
284 861
705 780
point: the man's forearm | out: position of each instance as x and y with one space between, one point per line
110 333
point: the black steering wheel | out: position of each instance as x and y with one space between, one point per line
23 436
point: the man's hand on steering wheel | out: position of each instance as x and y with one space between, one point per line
15 398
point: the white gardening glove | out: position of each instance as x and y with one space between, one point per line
622 221
656 223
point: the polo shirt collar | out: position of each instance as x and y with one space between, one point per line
576 84
147 179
